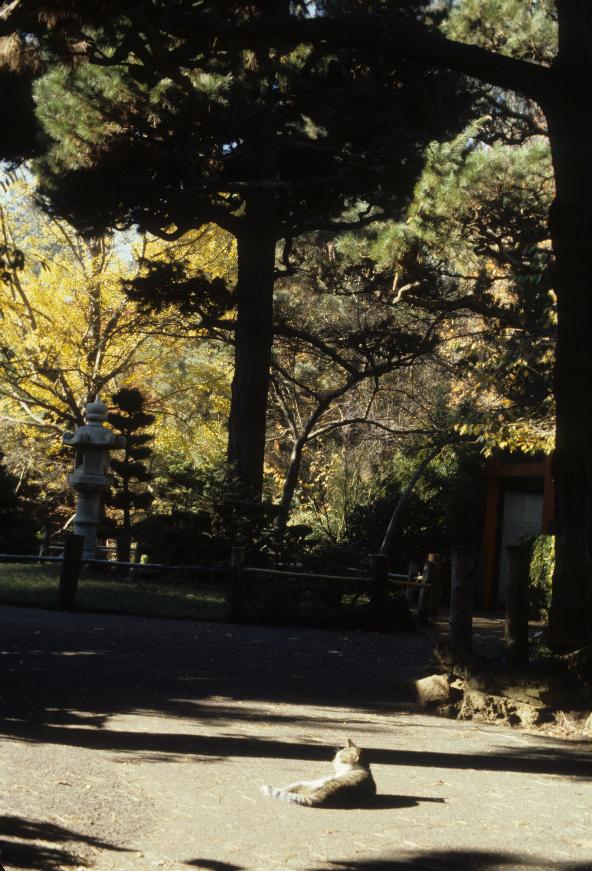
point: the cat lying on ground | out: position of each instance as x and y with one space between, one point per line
351 785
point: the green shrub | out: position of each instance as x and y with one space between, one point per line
445 507
17 529
542 564
181 537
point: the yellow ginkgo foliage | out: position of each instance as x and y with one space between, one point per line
68 332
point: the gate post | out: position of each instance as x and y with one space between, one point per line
429 595
517 606
462 583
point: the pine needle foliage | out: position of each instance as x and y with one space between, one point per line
131 420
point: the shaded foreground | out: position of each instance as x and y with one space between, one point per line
131 743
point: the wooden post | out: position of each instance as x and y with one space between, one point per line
379 566
492 510
462 582
44 546
411 594
429 596
435 591
235 612
70 571
422 612
517 605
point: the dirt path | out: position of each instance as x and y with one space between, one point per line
133 744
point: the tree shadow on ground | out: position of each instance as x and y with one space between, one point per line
158 746
434 860
65 675
102 666
23 850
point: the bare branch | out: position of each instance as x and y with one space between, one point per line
366 421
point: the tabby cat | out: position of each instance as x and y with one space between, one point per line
351 784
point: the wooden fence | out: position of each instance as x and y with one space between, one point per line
377 585
423 589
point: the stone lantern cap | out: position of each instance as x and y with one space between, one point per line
93 443
93 434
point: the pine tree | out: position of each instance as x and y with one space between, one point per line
561 90
184 114
131 421
474 249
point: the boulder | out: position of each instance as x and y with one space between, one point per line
489 708
433 691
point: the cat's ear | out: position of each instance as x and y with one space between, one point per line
356 752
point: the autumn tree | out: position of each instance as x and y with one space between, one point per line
382 31
52 365
212 113
69 332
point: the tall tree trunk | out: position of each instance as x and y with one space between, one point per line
253 341
570 125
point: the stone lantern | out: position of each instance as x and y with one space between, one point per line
90 477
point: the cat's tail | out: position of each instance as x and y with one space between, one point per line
285 795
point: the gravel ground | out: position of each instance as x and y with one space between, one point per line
131 744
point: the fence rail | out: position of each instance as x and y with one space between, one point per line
394 579
194 569
21 558
377 583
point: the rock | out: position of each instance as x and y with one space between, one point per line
530 715
478 682
498 709
433 690
527 692
480 706
450 711
587 730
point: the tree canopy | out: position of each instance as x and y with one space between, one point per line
219 113
270 88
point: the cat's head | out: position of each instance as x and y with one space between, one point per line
351 755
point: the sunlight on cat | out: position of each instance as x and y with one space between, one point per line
350 785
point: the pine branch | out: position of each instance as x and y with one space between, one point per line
417 42
288 332
472 303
